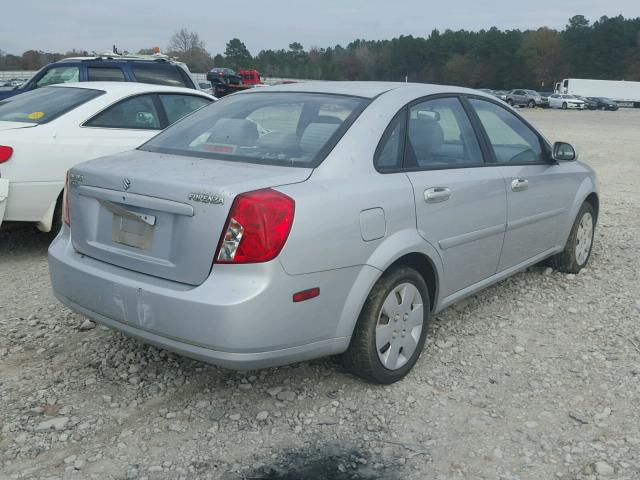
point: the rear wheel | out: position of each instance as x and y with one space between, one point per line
56 222
577 250
564 106
392 328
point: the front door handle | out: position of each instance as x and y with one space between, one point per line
519 184
437 194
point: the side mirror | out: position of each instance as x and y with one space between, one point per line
564 152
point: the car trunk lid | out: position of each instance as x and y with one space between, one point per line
161 214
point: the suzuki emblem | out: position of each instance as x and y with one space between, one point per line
126 183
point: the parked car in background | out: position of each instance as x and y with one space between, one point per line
565 102
588 103
223 76
524 98
501 94
155 69
545 98
603 103
46 131
298 221
250 77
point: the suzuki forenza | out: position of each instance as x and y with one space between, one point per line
284 224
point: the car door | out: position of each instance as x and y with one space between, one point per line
460 202
122 126
539 191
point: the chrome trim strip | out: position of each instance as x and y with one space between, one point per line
135 200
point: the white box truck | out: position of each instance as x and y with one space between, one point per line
626 94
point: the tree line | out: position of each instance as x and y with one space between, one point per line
608 48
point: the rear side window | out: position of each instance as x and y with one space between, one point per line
511 139
105 74
59 75
178 106
137 113
388 156
291 129
440 135
159 74
45 104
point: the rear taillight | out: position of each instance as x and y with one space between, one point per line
66 218
5 153
257 227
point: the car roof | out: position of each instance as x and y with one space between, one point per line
362 89
129 87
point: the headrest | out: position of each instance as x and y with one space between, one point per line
316 135
235 131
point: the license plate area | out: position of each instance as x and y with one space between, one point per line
132 232
130 228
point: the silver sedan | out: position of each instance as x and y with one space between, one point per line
283 224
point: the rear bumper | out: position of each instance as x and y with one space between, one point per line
241 317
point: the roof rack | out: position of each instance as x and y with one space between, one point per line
156 57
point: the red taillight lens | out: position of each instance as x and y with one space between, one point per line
66 218
5 153
257 227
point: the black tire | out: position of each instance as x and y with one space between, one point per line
362 358
564 106
510 102
56 223
566 260
531 104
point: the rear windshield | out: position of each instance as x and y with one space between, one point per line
277 128
45 104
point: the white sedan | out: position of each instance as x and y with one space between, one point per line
565 102
45 132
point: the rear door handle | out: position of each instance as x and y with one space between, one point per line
519 184
437 194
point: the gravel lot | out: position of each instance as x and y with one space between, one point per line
536 378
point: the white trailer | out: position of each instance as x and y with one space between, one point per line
626 94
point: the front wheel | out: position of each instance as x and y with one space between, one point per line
564 106
510 102
577 250
392 328
532 104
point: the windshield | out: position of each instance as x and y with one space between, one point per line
44 104
292 129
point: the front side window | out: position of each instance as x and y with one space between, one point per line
45 104
178 106
105 74
440 135
292 129
137 113
513 142
159 74
59 75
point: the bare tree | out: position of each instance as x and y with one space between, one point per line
185 42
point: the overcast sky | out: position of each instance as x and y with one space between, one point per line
60 25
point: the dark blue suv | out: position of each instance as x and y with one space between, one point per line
157 70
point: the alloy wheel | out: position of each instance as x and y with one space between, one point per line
399 326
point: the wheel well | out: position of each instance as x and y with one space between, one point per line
592 198
424 266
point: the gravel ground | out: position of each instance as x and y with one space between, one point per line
537 377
